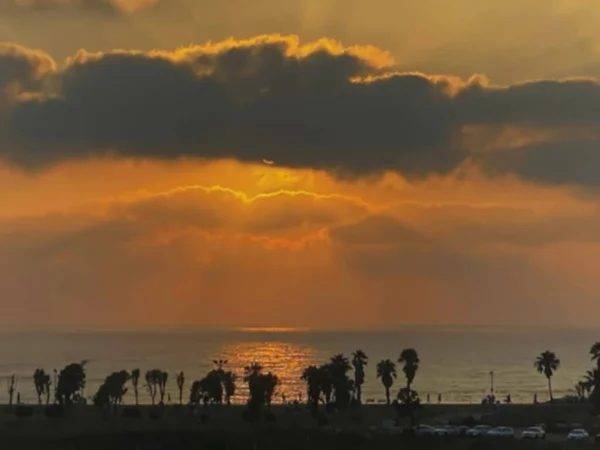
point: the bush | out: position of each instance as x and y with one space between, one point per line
132 413
54 411
24 411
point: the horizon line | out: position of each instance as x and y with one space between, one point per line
275 329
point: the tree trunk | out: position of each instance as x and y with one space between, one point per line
181 396
550 389
135 393
387 395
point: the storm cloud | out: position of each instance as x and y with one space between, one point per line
100 6
319 105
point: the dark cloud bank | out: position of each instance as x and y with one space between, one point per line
261 101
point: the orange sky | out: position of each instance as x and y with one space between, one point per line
113 234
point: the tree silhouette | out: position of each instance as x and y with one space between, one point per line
261 387
229 386
359 361
11 389
343 387
180 383
314 378
135 380
408 403
41 381
220 364
113 389
162 385
547 363
410 358
386 370
595 353
71 382
207 390
153 379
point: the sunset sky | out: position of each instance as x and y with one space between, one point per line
299 163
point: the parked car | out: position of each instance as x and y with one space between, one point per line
501 432
478 431
462 430
578 434
533 433
446 430
424 430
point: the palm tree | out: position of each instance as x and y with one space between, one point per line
386 370
359 361
313 376
547 363
595 352
135 379
180 383
229 379
39 381
410 358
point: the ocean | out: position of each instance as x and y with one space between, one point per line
455 361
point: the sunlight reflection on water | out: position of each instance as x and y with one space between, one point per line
285 359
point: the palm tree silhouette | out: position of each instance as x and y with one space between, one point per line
180 383
359 361
595 352
135 380
386 370
410 358
547 363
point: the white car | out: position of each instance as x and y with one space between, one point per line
533 433
578 434
446 430
424 430
501 432
479 430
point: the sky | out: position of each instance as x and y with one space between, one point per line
332 164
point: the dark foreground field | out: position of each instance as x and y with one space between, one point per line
272 440
224 428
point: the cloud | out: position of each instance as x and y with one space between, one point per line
211 255
319 106
101 6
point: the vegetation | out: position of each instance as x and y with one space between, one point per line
113 389
359 361
135 380
410 358
71 382
42 383
386 371
547 363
